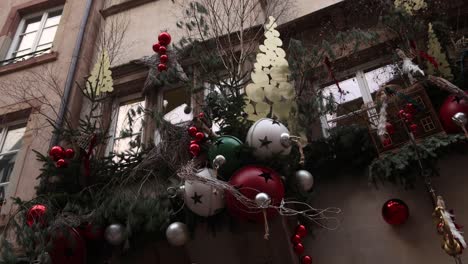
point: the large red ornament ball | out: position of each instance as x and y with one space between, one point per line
164 38
301 230
306 260
69 153
251 180
395 212
156 47
67 247
299 249
36 214
163 58
449 108
162 67
56 153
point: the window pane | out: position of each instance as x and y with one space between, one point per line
14 138
54 18
124 144
7 163
380 76
129 119
26 41
32 24
176 102
45 46
349 91
48 35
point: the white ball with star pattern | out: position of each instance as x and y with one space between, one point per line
202 199
264 137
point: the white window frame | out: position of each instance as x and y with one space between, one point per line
4 128
366 96
19 30
115 115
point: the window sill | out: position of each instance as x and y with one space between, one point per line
118 8
21 65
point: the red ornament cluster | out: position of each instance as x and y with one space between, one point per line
61 155
407 115
161 47
36 214
301 232
395 212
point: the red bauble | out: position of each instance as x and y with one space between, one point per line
56 153
301 230
409 118
409 108
67 247
449 108
390 128
201 115
61 163
192 131
199 136
387 142
401 113
193 142
164 58
414 128
306 260
162 50
299 248
251 180
91 232
69 153
296 239
36 214
162 67
164 38
156 47
395 212
194 149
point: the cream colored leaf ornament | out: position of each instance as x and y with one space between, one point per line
270 90
100 80
411 6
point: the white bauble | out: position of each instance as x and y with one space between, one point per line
201 198
264 137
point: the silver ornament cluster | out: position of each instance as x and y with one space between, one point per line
305 180
460 119
263 200
177 234
115 234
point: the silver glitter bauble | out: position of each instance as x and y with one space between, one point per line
263 200
115 234
460 119
305 180
177 234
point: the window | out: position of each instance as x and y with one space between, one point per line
355 91
11 139
126 129
35 35
427 124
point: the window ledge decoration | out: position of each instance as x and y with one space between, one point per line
28 63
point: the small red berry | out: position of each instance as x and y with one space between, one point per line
306 260
156 47
164 58
164 38
199 136
299 248
301 230
61 163
69 153
162 50
192 131
162 67
296 239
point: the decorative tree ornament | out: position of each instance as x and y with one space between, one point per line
199 136
56 153
68 247
306 259
162 67
390 128
202 199
195 149
36 214
156 47
434 49
61 163
450 107
162 50
296 239
164 38
218 161
69 153
264 136
100 80
262 200
395 212
177 234
192 131
305 180
115 234
270 89
230 148
301 231
285 140
299 249
164 58
249 181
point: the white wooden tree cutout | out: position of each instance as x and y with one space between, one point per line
100 80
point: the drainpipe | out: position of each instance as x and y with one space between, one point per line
71 72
